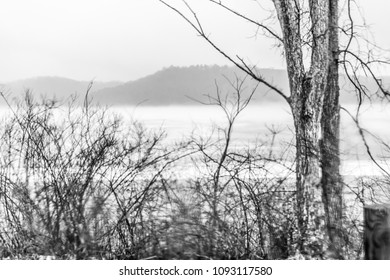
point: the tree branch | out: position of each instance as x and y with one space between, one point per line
266 28
244 67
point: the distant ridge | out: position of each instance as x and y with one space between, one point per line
181 85
172 86
52 87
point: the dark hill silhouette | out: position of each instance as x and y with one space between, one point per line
173 85
180 85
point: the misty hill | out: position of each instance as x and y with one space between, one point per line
52 87
173 85
180 85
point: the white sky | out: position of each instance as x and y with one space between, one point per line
127 39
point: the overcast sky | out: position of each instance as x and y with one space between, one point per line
127 39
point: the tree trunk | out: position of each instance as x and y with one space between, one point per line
306 102
310 210
330 150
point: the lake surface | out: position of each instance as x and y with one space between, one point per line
253 124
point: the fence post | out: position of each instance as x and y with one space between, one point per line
377 232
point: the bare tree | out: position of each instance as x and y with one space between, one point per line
232 106
307 29
242 203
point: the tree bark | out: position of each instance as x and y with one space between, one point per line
330 150
315 108
310 210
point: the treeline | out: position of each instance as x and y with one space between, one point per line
81 183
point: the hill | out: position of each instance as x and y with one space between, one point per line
173 85
181 85
52 87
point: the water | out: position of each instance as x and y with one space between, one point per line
255 122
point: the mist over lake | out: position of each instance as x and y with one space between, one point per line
254 125
255 122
